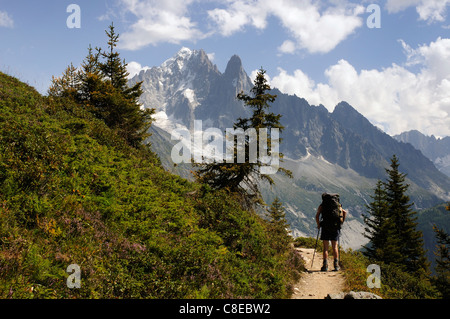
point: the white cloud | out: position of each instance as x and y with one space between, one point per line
158 21
5 20
428 10
394 6
134 68
315 26
433 10
393 98
287 47
313 29
238 14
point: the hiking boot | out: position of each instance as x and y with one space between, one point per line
325 266
336 265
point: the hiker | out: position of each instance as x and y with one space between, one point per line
330 216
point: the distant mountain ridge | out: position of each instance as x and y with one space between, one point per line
418 167
436 149
339 151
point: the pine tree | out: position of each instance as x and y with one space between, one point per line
391 225
277 215
383 242
442 279
114 68
90 72
91 83
124 111
67 85
242 177
102 88
402 223
278 225
375 221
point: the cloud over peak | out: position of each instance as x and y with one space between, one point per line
308 26
394 98
158 21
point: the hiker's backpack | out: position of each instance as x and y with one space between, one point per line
331 211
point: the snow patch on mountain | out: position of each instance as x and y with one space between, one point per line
190 95
177 61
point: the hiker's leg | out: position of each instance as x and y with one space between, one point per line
334 245
325 256
325 249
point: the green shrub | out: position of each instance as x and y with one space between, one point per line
395 282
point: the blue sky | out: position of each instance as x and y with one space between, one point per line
398 75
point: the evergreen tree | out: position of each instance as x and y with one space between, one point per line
278 225
90 73
277 216
242 177
114 68
375 221
102 88
67 85
442 279
402 223
391 225
124 113
383 244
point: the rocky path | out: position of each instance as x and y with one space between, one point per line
316 284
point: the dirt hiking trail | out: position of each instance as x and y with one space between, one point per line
316 284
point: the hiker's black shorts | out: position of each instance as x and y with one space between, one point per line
330 234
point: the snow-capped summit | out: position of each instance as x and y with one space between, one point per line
178 60
186 85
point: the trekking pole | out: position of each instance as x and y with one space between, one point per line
317 239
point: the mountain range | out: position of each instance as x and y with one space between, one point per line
436 149
339 151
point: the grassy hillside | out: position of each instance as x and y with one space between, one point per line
73 192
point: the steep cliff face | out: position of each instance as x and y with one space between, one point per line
221 108
418 167
312 129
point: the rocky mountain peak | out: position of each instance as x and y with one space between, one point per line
236 75
188 85
187 59
345 109
234 66
437 150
